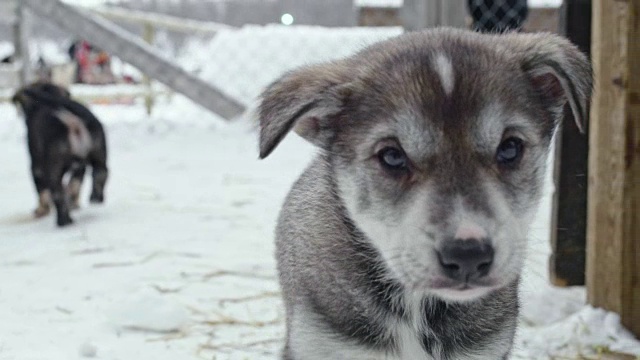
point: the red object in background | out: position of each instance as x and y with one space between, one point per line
83 57
93 64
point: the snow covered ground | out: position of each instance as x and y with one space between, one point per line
178 264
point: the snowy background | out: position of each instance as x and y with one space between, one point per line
178 264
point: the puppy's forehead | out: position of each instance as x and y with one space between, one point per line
424 139
444 91
447 75
444 69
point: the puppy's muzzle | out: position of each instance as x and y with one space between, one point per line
466 260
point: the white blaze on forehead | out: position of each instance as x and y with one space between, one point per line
444 68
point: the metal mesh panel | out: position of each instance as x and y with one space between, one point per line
497 15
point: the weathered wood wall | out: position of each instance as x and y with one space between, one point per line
613 226
379 16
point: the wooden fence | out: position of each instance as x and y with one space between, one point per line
98 30
613 226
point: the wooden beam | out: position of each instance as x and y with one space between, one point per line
379 16
420 14
542 19
569 230
613 230
454 13
149 36
167 22
20 44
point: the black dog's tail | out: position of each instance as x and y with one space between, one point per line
57 102
43 97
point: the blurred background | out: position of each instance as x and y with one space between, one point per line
179 263
245 40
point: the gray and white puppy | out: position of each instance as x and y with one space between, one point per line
406 236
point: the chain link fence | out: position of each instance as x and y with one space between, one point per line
240 61
498 15
243 61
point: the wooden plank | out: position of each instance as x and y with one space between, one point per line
614 356
613 230
20 44
7 8
122 97
149 36
163 21
454 13
542 19
379 16
420 14
568 234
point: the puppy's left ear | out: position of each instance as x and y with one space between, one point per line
559 71
308 100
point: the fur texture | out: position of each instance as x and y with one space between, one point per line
63 137
405 237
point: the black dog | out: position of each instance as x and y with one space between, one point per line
63 137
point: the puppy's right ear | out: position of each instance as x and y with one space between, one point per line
309 99
558 70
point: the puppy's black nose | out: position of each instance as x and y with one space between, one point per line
466 259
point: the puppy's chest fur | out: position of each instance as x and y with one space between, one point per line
409 337
400 340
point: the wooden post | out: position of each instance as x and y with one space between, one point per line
613 227
454 13
148 36
544 19
21 48
569 230
420 14
379 16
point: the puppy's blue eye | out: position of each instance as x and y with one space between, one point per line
393 158
509 151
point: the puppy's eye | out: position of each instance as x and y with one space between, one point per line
509 151
392 158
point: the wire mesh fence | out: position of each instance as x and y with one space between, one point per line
241 60
497 15
245 60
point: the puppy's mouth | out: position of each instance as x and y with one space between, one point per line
446 283
452 290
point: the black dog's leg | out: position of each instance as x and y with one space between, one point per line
55 174
98 161
75 183
44 195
